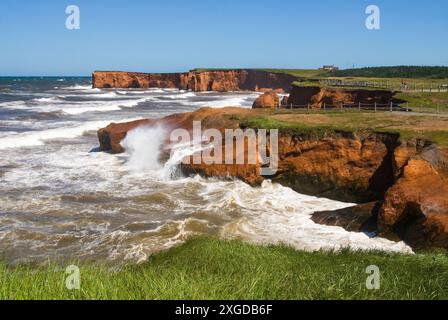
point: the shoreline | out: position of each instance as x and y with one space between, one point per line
387 169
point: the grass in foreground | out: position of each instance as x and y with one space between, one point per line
208 268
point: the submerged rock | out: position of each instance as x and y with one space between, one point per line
359 218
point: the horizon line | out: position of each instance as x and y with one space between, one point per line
207 68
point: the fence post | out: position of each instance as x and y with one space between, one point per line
391 106
359 106
325 107
407 106
341 106
375 106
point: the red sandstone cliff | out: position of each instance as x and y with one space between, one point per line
405 180
199 81
135 80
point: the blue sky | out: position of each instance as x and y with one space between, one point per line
175 35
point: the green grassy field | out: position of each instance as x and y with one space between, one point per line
425 101
389 78
319 123
417 78
428 72
208 268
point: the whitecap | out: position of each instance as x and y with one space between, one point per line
36 138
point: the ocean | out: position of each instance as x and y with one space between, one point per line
62 199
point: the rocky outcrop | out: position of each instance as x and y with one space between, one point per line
117 79
402 183
360 218
415 207
316 97
198 81
341 165
111 136
268 100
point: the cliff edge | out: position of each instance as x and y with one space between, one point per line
198 81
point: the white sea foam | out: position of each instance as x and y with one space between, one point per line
143 145
47 100
180 96
55 104
99 95
36 138
13 104
224 101
80 87
273 213
79 107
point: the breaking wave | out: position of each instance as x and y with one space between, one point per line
37 138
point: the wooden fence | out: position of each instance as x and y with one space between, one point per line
390 85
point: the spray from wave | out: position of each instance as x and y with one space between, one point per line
143 146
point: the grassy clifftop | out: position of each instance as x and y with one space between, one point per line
433 128
207 268
428 72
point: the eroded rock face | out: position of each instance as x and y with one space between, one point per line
198 81
111 136
268 100
416 207
405 181
344 166
316 97
118 79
